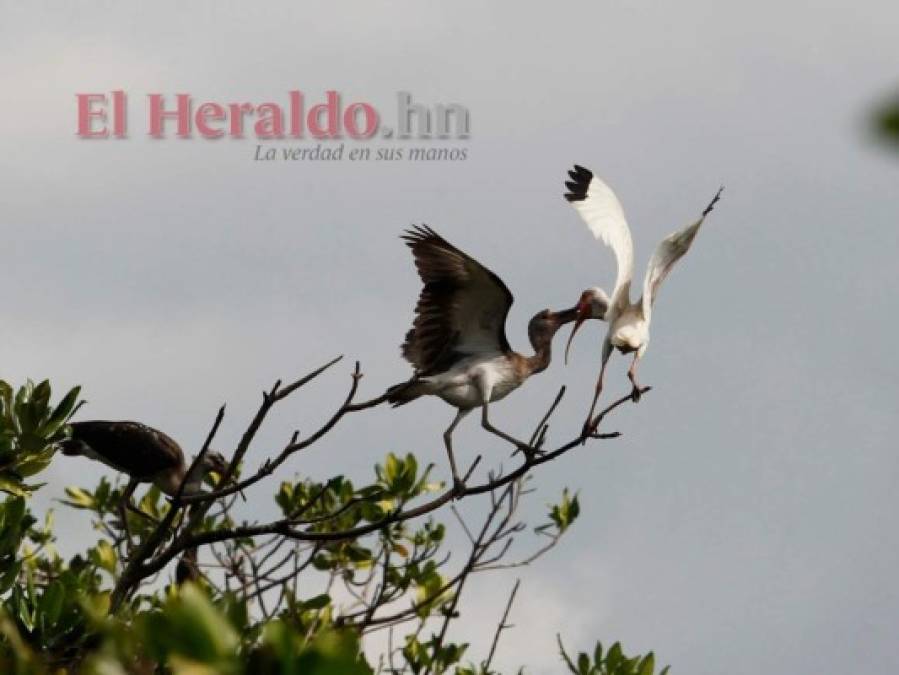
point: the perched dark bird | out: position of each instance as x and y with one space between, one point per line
146 455
628 321
457 343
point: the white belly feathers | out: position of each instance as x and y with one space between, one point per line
462 386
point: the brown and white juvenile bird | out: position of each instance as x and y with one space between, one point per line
457 343
144 454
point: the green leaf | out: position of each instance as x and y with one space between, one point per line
200 612
52 600
648 665
391 468
13 486
104 555
9 575
12 512
6 395
583 664
191 627
614 657
565 512
61 413
318 602
333 653
597 653
80 499
36 463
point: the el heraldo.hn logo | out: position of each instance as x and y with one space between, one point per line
106 116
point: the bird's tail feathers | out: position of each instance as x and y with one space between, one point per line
400 394
69 447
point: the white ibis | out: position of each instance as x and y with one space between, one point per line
146 455
457 343
628 321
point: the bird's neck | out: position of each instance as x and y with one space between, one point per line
193 480
542 340
541 359
542 344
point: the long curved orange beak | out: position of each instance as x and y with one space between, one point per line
583 313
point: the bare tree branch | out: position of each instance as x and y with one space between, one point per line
503 625
150 558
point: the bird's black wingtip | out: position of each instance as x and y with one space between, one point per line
708 209
579 183
418 233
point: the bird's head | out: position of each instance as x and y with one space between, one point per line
542 327
211 462
215 462
72 444
593 304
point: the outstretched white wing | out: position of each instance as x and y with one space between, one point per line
671 249
601 210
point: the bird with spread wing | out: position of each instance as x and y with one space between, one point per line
628 321
457 344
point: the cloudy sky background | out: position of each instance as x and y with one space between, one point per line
744 523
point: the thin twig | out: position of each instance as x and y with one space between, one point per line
501 627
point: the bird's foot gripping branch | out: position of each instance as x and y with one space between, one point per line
342 561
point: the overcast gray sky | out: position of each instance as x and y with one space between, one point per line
745 522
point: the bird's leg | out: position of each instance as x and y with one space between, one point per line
632 376
458 485
124 504
519 445
590 424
